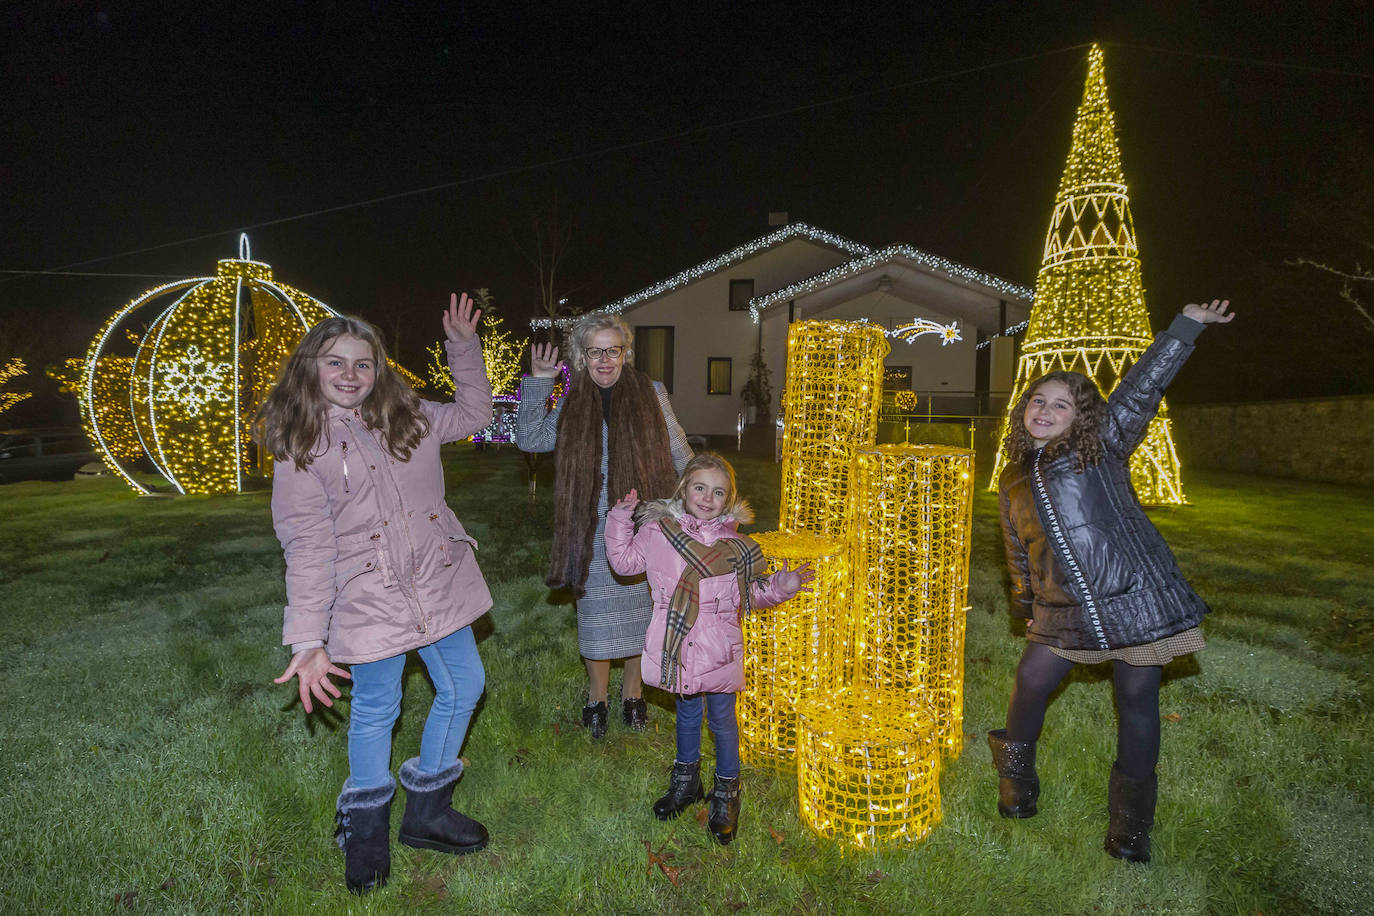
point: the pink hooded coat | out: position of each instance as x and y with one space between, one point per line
376 562
712 659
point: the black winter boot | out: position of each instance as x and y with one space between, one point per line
635 712
684 790
1131 814
724 811
1019 786
594 717
363 832
430 821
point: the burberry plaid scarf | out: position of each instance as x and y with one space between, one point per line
738 555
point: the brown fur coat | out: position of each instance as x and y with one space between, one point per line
640 459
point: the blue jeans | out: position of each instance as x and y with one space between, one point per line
456 670
720 716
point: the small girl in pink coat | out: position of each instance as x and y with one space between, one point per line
700 569
377 565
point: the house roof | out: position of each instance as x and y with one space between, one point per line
904 258
705 268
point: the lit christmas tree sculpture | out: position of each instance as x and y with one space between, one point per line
186 396
1089 314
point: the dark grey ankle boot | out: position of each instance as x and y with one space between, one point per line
724 812
684 790
1131 814
1018 788
363 832
430 821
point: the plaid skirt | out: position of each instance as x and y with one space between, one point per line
1159 652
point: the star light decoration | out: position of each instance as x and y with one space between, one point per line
918 327
1089 314
185 398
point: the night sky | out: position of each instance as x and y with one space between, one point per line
140 139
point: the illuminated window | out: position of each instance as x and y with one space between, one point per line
654 353
718 375
741 291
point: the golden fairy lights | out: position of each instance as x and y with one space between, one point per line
912 512
187 394
793 648
862 683
868 767
12 369
1089 314
834 393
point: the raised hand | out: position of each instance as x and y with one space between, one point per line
629 500
544 361
791 581
313 667
1214 313
460 319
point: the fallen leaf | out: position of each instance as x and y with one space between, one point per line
670 872
168 884
982 660
777 837
656 858
876 875
126 899
702 816
556 730
1173 717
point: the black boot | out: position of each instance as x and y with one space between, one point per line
724 812
684 790
1131 814
594 716
430 821
1019 787
363 832
635 712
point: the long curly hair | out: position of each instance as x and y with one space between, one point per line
1084 437
587 326
292 419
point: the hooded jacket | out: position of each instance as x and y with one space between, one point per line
1086 564
377 564
712 659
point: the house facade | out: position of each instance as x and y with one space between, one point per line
697 331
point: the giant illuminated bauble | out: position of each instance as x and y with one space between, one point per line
186 394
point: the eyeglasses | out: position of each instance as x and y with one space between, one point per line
608 352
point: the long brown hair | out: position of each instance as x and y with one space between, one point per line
1084 437
291 421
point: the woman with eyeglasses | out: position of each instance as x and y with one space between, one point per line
615 432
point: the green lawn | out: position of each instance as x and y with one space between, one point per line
150 764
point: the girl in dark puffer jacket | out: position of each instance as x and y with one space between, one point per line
1092 573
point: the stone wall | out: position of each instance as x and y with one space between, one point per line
1328 439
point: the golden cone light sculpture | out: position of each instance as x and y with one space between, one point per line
186 396
1089 314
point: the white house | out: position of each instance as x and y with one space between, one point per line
697 331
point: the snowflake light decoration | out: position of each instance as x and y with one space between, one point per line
194 383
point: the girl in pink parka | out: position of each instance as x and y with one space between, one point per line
377 565
700 572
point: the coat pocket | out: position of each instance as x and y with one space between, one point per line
360 555
451 537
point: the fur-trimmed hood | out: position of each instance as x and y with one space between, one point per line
736 514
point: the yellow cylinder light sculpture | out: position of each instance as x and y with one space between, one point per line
793 648
912 509
831 404
197 374
868 767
